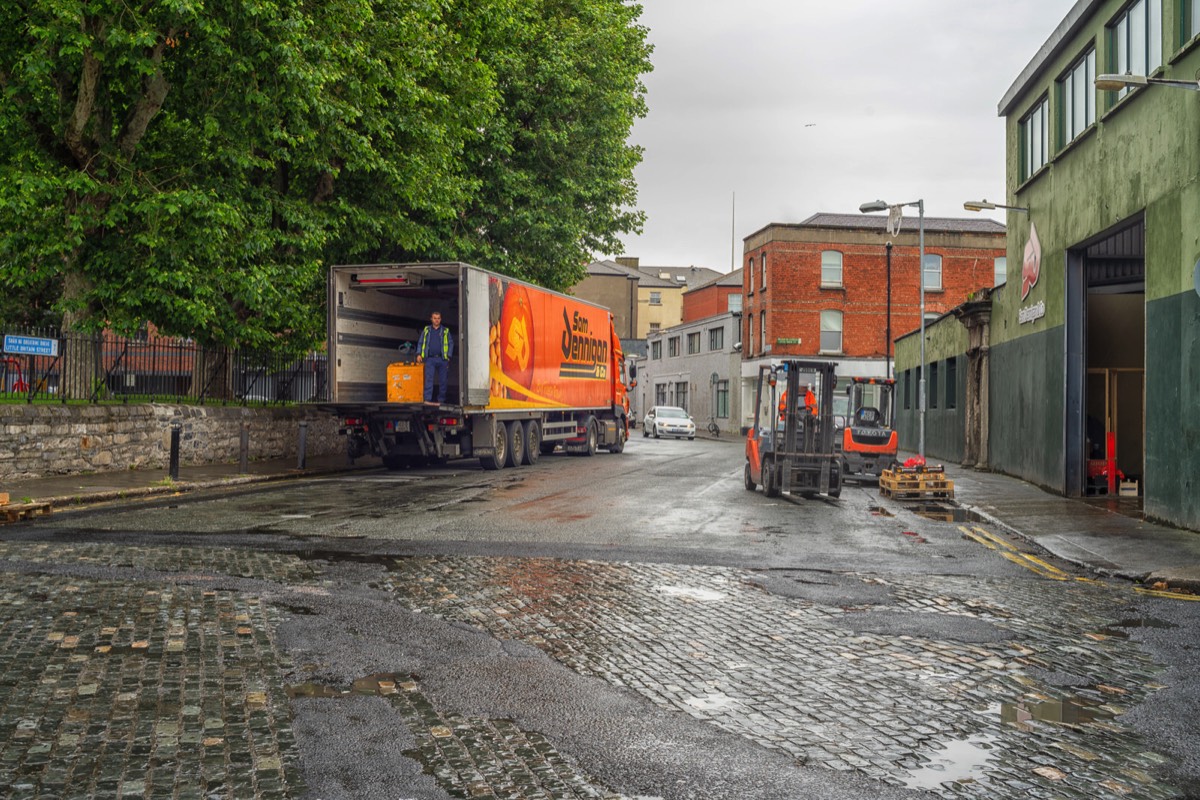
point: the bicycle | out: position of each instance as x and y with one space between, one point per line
713 428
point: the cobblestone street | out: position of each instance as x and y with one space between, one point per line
120 690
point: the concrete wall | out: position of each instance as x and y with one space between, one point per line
37 440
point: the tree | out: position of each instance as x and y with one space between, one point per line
176 162
554 167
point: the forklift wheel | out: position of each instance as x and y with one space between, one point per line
770 481
749 482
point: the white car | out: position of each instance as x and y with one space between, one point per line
668 421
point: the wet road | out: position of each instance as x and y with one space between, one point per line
634 625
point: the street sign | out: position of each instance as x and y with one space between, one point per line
31 346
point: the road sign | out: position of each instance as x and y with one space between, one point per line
31 346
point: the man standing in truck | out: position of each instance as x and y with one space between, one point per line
434 350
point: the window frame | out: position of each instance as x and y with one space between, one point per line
693 343
749 333
1068 88
762 331
762 282
716 339
1038 116
926 272
1122 35
673 347
931 386
750 276
999 273
722 398
951 393
656 351
841 331
655 298
841 261
1189 21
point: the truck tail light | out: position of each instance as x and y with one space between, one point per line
352 422
448 422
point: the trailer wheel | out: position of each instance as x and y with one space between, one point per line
533 442
498 458
770 480
747 480
516 443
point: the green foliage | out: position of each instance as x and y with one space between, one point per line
198 166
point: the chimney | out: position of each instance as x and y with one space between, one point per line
628 261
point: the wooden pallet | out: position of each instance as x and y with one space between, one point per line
923 484
12 512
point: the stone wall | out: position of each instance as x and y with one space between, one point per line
37 440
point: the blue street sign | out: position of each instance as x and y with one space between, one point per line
31 346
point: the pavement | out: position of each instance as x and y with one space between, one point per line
1108 535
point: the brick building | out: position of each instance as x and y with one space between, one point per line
719 295
819 288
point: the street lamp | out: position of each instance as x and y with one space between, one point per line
984 205
1115 82
879 205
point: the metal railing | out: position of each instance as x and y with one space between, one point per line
106 368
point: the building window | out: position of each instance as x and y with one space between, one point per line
1000 270
716 338
656 350
907 389
763 262
660 394
722 409
656 298
933 272
762 332
1191 20
1077 98
654 326
831 268
681 395
750 276
673 346
931 386
749 334
831 331
693 340
733 303
951 383
1034 140
1135 40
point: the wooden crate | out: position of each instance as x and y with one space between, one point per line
917 484
13 512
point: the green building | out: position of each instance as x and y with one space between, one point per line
1092 346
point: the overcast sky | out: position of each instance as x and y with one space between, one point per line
800 106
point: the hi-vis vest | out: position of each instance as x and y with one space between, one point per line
424 344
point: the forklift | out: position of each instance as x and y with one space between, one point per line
791 447
868 441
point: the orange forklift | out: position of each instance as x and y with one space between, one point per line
791 447
868 440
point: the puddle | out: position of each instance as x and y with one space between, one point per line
1073 711
1120 630
381 683
690 593
963 760
945 513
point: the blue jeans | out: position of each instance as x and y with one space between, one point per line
437 370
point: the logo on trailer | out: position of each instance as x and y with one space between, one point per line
583 355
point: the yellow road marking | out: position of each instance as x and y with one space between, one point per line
997 539
976 537
1167 595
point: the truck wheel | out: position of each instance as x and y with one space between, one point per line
747 480
395 462
619 445
770 480
533 441
590 438
516 443
497 459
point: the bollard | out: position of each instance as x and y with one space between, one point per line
300 454
173 469
244 450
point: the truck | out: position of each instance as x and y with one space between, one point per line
532 369
791 446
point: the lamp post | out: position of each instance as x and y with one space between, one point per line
1115 83
984 205
879 205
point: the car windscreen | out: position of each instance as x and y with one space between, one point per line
672 413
